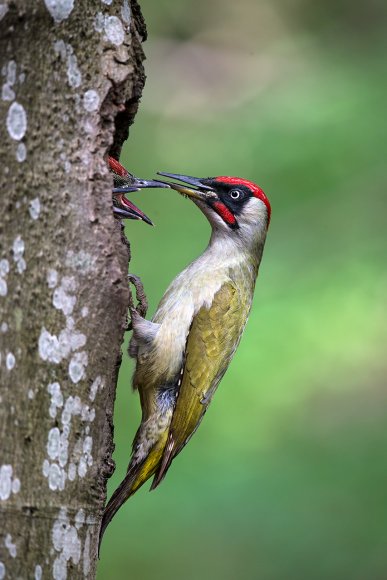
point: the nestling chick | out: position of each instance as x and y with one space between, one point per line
125 182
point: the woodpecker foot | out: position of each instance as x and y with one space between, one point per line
142 302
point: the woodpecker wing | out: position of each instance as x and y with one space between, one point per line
213 338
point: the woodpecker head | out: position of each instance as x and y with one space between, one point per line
231 204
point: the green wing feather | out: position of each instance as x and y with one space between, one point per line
213 338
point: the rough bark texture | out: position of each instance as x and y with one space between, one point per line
71 79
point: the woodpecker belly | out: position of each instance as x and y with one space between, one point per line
161 360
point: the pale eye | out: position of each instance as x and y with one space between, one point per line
235 194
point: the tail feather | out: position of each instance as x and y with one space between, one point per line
165 463
137 475
119 497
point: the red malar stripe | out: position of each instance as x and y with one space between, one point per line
224 213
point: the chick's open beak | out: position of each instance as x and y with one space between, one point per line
123 208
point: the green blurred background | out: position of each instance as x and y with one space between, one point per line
287 476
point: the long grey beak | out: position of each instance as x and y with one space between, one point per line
195 181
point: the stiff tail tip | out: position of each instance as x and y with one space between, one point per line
137 475
165 463
119 497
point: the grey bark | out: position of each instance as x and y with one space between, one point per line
71 79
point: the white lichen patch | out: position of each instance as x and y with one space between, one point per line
67 543
96 384
3 287
112 28
4 327
89 127
57 446
31 394
7 92
74 76
46 468
82 467
99 21
11 72
54 349
81 261
21 153
54 468
80 518
108 2
84 312
49 348
91 100
66 461
10 545
88 414
125 12
38 572
15 485
56 398
86 555
66 53
59 9
55 475
86 459
4 269
52 278
34 208
21 265
18 252
63 297
16 121
77 366
74 338
8 483
2 567
87 447
10 361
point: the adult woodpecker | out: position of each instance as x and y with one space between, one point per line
125 182
183 353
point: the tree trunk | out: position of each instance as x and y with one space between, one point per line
71 79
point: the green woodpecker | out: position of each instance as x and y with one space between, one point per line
183 353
